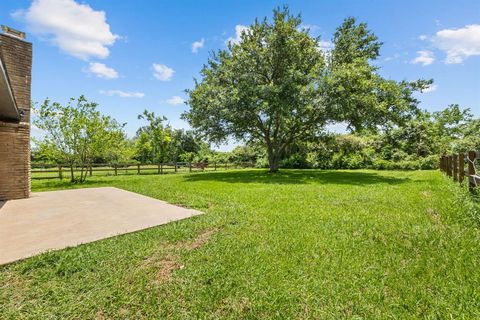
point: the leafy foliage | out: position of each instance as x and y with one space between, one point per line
159 142
262 89
153 139
77 134
416 144
276 86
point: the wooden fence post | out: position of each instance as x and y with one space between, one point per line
161 168
115 168
449 166
60 173
175 165
91 170
226 166
461 167
444 164
471 170
138 168
455 167
189 167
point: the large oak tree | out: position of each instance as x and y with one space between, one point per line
276 86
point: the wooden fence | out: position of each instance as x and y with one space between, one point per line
462 166
54 171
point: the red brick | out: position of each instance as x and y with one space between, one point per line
15 137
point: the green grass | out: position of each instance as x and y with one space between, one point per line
299 244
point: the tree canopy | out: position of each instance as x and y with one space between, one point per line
77 133
263 88
355 93
158 142
276 86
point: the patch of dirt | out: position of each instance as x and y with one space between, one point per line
432 212
15 289
199 241
123 311
235 305
436 218
166 264
426 194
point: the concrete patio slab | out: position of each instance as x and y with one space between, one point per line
59 219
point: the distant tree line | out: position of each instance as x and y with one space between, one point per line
79 135
416 144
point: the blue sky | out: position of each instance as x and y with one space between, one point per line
134 55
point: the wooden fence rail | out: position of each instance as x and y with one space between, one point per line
460 166
55 171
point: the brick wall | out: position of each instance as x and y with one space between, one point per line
15 137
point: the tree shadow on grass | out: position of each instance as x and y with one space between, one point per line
66 184
298 177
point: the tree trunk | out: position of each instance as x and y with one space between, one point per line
72 176
273 160
81 173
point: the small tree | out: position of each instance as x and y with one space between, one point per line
77 133
184 145
122 153
152 141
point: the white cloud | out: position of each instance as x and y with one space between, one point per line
162 72
197 45
325 46
175 100
459 44
424 57
76 29
37 132
239 29
337 127
423 37
430 88
102 71
122 94
310 27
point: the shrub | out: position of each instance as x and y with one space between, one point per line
296 160
430 162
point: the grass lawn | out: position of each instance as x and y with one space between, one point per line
299 244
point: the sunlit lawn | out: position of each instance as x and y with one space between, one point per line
299 244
